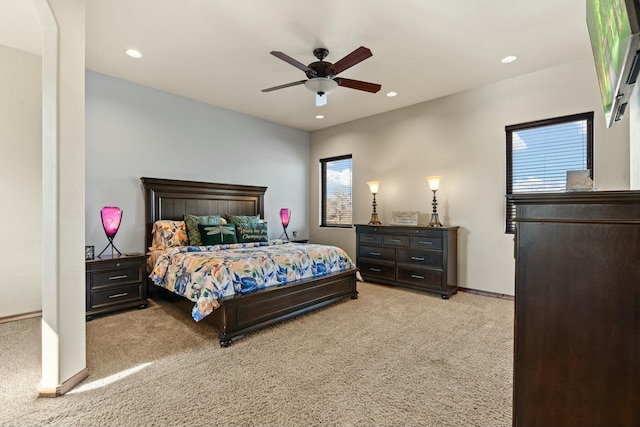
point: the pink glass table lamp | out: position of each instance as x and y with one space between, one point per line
285 217
111 217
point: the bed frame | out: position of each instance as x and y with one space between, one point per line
242 314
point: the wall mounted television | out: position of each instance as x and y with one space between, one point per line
614 31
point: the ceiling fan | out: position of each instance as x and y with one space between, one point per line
321 75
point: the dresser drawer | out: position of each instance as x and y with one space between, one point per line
420 258
395 240
377 252
115 295
422 277
370 238
117 276
377 270
426 242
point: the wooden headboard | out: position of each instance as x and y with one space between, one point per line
171 199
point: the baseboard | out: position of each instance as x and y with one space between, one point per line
21 316
65 386
487 293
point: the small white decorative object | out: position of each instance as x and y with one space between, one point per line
579 180
404 217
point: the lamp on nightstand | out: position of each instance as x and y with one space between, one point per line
373 186
285 217
434 185
111 217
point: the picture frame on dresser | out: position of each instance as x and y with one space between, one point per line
405 218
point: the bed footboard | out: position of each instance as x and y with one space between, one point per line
250 312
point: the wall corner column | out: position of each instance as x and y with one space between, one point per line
63 178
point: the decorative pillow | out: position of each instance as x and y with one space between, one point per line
216 234
168 234
254 233
246 221
192 222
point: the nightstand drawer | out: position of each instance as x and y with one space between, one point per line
426 277
115 277
377 252
377 270
420 258
113 263
116 295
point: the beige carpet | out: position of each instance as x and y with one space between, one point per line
392 357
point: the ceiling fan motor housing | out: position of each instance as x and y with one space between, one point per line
320 69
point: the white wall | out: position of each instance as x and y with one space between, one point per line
462 137
634 135
20 182
135 131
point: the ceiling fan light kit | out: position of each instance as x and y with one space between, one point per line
321 75
321 85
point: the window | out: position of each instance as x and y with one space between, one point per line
336 192
539 154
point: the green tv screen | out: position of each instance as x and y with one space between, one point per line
610 34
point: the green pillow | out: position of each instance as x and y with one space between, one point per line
254 233
246 221
192 222
217 234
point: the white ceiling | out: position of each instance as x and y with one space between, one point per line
217 51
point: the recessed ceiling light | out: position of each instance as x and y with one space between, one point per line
391 94
133 53
509 59
319 117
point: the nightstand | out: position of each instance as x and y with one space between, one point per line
115 283
299 241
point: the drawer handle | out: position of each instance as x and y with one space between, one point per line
395 240
425 242
375 253
122 276
124 294
417 258
377 270
369 238
415 276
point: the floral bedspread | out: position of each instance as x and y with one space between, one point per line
208 274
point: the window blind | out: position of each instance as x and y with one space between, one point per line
539 154
336 191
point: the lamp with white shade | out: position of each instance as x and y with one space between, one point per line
373 186
434 185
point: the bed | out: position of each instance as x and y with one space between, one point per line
242 313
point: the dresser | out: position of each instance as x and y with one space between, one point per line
577 309
424 258
115 283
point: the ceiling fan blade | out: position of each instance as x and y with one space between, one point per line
284 85
286 58
358 55
359 85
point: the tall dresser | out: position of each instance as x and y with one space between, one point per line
424 258
577 309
